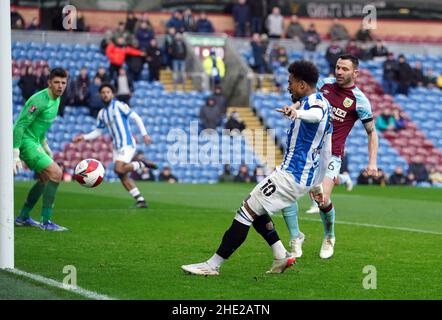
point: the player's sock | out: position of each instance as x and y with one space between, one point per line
290 215
233 239
48 200
328 220
343 178
216 261
264 226
33 196
136 194
279 251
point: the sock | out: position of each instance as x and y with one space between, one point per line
48 200
136 194
290 215
33 196
233 238
279 252
264 226
328 220
136 165
216 261
343 178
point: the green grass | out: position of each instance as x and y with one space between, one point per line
137 254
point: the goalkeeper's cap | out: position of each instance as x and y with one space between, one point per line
107 85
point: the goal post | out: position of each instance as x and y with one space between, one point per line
6 163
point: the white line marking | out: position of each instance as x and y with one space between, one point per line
368 225
50 282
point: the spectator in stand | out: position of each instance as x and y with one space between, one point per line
379 51
17 21
154 59
283 58
389 78
399 121
338 31
144 18
258 174
28 83
430 79
120 32
144 34
364 34
117 55
215 68
272 60
203 25
169 39
294 30
167 176
106 40
257 12
311 39
94 102
189 21
124 86
135 63
418 169
102 74
334 51
227 174
385 121
81 87
259 52
220 99
144 173
179 53
68 97
81 23
243 175
352 48
242 17
42 82
435 177
381 178
210 114
131 22
234 122
34 25
364 52
176 22
275 24
398 177
405 74
418 75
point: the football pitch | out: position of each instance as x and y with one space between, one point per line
136 254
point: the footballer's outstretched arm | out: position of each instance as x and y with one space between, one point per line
141 126
372 168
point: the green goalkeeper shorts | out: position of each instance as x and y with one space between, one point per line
33 154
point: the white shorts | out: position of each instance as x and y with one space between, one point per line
124 154
334 167
276 192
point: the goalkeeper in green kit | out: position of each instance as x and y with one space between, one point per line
31 146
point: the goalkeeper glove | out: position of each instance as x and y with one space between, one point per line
47 149
18 166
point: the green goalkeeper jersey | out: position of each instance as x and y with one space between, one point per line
36 117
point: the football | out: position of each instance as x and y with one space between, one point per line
89 173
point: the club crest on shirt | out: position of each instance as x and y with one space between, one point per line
32 109
347 102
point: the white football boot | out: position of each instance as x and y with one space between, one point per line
201 269
296 245
349 185
280 265
313 210
327 248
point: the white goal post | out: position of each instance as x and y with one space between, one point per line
6 174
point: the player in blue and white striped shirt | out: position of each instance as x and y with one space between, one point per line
115 118
304 166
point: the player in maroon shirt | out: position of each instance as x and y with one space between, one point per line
349 104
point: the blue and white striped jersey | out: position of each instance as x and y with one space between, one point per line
115 117
305 141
